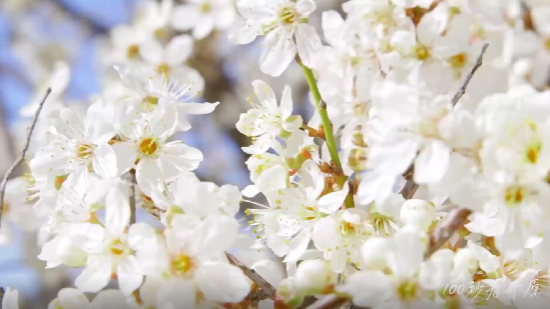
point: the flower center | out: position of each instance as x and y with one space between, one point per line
5 208
84 151
59 180
514 195
533 152
407 290
422 52
164 68
288 15
205 7
181 264
547 44
149 103
117 247
458 61
148 146
160 33
133 51
454 10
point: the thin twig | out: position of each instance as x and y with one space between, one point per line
267 288
453 221
132 175
479 62
329 302
21 157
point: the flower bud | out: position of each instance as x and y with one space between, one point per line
418 213
313 276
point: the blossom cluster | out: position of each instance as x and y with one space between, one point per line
426 164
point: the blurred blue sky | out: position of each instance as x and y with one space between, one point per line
16 91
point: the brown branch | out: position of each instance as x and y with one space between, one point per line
409 190
268 290
21 157
452 222
1 296
477 65
329 302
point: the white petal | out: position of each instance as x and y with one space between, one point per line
95 276
117 211
152 52
308 44
369 288
142 235
250 191
432 163
270 271
110 299
203 27
243 32
278 52
179 293
215 234
148 175
222 283
126 156
297 247
179 49
407 256
164 119
196 108
324 234
264 94
273 178
487 261
105 161
179 157
286 103
70 298
185 17
305 7
130 275
331 202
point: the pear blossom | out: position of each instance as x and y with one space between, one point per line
203 16
282 23
188 259
150 85
109 249
170 61
147 149
70 298
267 120
410 281
79 144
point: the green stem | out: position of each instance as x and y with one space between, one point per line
327 127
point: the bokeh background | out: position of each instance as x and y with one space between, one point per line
43 42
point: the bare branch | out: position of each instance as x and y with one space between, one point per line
409 190
329 302
477 65
268 290
454 220
21 157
